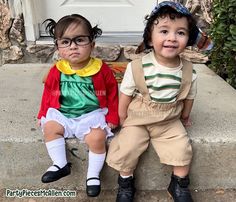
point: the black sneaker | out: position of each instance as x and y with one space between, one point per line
126 189
51 176
178 189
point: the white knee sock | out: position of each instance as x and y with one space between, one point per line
95 165
57 152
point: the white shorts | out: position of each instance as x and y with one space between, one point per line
80 126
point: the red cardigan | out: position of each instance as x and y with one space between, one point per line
105 86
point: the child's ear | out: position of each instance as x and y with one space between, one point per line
150 43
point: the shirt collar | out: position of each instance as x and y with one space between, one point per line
93 67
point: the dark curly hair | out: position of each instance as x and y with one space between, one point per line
57 29
172 14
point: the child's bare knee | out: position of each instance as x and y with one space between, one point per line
52 128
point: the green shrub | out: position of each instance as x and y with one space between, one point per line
223 29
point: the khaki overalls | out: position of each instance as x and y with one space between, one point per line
150 121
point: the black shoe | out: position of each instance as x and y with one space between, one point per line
51 176
178 189
93 190
126 189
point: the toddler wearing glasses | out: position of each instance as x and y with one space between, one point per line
80 99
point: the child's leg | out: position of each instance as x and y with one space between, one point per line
97 153
52 130
173 147
181 171
178 187
123 155
126 174
55 144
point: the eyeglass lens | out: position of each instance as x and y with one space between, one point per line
79 41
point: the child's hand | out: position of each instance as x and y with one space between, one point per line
111 125
39 123
187 122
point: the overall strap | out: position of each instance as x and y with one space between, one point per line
186 81
138 75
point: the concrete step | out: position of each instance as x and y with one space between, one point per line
24 157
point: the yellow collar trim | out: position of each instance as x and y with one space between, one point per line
93 67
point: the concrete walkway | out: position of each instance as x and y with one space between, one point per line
24 158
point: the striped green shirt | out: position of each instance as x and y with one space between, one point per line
162 82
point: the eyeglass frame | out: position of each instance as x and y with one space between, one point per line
73 40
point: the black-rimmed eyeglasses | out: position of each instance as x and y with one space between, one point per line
81 40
